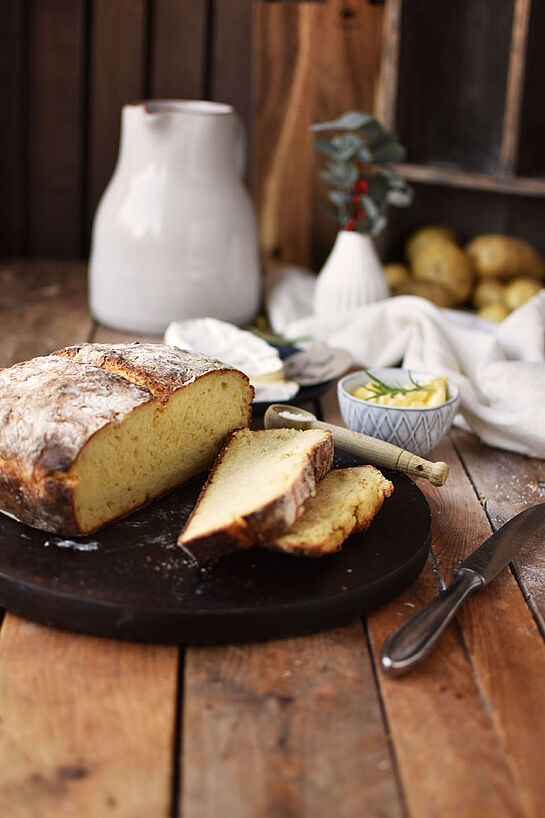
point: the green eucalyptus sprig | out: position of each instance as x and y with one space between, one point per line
275 338
359 171
379 388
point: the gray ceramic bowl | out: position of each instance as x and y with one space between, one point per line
417 430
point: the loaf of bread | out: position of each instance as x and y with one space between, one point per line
257 489
92 432
346 501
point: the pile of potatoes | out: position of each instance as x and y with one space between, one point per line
495 274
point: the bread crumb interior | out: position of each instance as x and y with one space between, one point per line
254 472
154 448
346 500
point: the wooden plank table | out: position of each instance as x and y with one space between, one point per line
297 727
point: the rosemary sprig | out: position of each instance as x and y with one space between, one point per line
275 338
379 388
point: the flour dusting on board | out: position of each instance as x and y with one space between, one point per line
73 545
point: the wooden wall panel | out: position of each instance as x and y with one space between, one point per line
531 154
347 63
312 61
55 127
117 66
230 58
178 49
68 66
12 140
283 162
452 81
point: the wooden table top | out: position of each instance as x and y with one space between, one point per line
307 726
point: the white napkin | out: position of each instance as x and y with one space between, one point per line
500 368
239 348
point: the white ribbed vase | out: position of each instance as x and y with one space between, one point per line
351 277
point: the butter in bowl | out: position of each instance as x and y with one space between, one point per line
412 409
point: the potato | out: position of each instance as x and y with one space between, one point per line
423 236
520 290
488 291
435 293
494 312
395 275
504 257
442 262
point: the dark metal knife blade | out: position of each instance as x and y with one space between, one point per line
413 640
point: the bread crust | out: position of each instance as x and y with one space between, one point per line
159 368
50 407
268 520
42 502
355 513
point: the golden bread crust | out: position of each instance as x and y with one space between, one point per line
346 501
160 368
266 520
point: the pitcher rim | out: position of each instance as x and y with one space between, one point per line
198 107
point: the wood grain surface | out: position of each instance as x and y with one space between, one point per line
300 78
87 725
498 645
530 161
283 162
12 133
178 49
286 728
464 82
302 727
56 31
515 86
42 307
450 757
229 61
112 24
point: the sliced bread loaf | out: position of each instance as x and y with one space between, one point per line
257 489
345 501
92 432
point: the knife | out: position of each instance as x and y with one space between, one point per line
414 639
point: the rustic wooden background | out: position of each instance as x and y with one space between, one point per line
67 67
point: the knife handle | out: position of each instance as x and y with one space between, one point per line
414 639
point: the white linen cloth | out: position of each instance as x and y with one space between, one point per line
500 368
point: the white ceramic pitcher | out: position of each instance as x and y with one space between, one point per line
175 233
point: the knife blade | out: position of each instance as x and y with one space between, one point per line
414 639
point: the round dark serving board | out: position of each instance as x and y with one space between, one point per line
131 581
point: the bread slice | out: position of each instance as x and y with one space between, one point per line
257 489
345 501
92 432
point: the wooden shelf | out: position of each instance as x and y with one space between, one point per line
462 86
451 177
501 179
